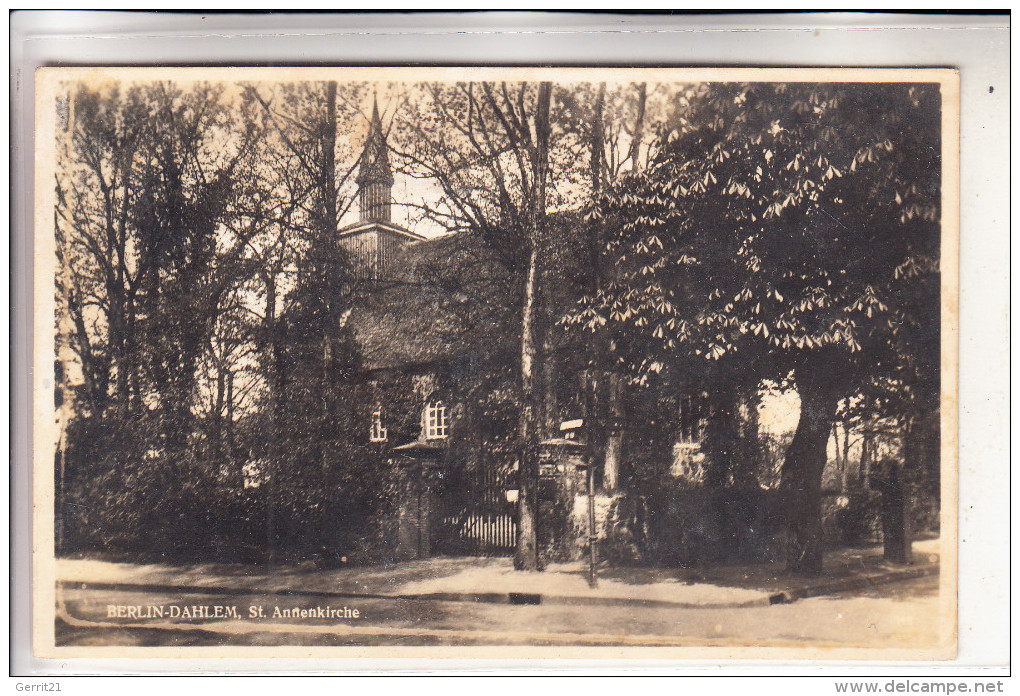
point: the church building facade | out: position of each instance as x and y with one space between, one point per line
430 322
437 326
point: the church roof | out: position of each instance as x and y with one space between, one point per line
442 298
369 225
449 297
375 160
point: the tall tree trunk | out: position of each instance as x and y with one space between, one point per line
634 152
132 365
844 476
614 440
801 483
550 394
124 303
919 474
864 468
65 357
329 225
922 454
230 416
272 330
217 448
596 146
605 438
842 456
617 387
834 435
119 348
526 553
329 162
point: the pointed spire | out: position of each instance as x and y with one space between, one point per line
375 177
375 161
376 121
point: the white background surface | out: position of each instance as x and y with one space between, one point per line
977 46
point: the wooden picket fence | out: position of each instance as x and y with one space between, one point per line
478 534
478 519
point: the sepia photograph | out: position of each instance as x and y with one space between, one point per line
524 362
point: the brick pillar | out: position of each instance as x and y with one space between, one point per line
561 480
415 505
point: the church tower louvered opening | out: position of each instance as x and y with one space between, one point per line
375 176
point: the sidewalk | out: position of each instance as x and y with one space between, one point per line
472 579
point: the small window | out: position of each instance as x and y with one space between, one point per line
437 424
378 432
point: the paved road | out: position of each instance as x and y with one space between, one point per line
886 615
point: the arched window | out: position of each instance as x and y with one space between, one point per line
435 420
377 432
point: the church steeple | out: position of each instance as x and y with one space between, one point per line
375 177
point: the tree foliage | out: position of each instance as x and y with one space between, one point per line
737 232
793 227
197 226
780 217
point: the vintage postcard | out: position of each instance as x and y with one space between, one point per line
496 363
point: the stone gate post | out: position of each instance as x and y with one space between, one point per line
561 481
416 501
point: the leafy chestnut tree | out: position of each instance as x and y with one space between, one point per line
792 227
